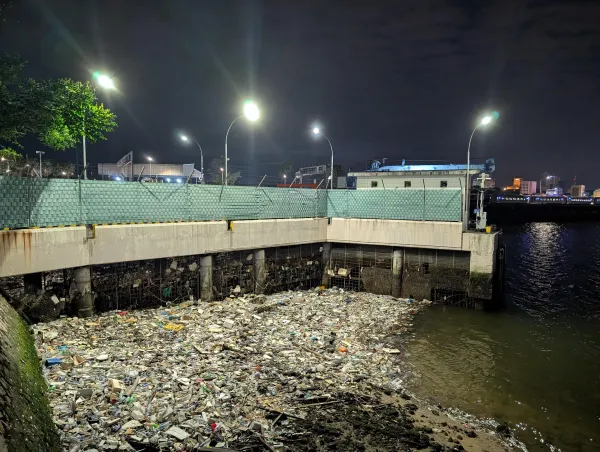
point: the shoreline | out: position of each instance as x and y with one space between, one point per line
291 371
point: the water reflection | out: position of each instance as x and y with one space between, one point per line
536 364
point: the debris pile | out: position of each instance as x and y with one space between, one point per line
291 371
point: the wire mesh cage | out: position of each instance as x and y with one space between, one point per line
361 268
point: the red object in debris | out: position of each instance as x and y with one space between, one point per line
213 426
122 313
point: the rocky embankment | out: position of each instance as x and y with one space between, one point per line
311 370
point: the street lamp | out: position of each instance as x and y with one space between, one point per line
186 139
486 120
150 160
251 113
284 178
221 175
106 82
40 154
317 133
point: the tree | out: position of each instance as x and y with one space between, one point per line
75 113
216 176
24 102
286 169
59 112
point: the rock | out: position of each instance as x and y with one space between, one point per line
471 433
102 357
503 430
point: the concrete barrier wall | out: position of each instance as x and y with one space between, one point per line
25 416
38 250
414 234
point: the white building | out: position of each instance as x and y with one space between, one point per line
528 187
417 176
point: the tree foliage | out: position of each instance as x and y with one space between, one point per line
216 176
59 112
24 102
75 113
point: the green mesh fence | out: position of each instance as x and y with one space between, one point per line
26 202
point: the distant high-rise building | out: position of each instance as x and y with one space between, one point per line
528 187
489 183
577 191
596 193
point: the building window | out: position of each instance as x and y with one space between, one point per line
443 183
406 184
373 184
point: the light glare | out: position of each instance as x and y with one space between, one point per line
486 120
184 138
105 81
251 111
316 131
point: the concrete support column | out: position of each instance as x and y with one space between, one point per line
483 249
34 282
326 263
260 273
397 272
82 281
206 283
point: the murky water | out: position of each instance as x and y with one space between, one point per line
536 363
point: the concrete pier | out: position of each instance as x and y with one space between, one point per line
396 273
260 273
206 284
435 255
81 291
326 256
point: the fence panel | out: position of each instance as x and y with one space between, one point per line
51 202
14 203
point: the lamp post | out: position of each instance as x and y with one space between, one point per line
284 178
104 81
251 113
185 139
221 175
40 154
467 192
317 132
150 159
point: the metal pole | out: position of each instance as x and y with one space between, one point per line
84 159
201 162
467 187
226 135
331 172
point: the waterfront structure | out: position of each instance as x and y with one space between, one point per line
516 185
596 193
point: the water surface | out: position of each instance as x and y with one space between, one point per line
536 363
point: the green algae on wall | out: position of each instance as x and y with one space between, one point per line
24 409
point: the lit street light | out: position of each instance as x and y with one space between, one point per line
317 132
40 154
251 113
221 175
178 181
106 82
486 120
150 160
185 139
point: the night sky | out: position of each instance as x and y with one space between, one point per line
398 79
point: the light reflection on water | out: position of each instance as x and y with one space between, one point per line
536 363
